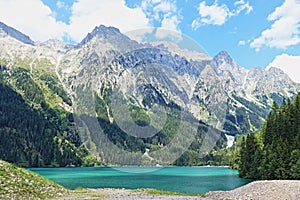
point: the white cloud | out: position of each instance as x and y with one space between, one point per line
157 9
31 17
284 32
140 35
289 64
162 12
167 35
165 7
241 6
60 4
37 20
216 14
241 43
41 24
86 14
170 22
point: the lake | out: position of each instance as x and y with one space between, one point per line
193 180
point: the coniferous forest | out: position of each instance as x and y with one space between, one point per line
32 133
274 153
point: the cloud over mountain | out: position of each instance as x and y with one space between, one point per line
289 64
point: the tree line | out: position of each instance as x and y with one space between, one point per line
32 132
274 152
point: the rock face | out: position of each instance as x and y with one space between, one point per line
229 96
11 32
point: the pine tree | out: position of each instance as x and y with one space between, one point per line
295 164
278 157
243 159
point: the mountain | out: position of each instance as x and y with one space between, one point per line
103 32
9 31
36 126
129 98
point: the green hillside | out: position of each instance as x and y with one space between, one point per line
35 131
18 183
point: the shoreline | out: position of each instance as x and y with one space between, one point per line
256 190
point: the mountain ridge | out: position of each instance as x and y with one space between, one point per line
105 32
4 29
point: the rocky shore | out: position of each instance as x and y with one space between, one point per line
262 190
258 190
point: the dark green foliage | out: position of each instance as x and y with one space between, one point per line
140 117
24 82
250 157
53 85
189 158
252 106
295 164
19 125
33 134
277 156
119 137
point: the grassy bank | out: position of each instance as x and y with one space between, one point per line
18 183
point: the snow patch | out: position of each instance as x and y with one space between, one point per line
230 140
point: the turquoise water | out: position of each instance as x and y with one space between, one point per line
193 180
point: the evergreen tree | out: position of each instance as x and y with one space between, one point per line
278 155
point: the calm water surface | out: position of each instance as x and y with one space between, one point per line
196 180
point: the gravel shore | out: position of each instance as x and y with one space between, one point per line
262 190
258 190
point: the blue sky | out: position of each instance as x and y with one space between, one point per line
255 32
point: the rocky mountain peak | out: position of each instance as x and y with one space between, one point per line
223 58
102 32
227 68
105 32
9 31
277 71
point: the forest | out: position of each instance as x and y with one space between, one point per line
274 152
33 132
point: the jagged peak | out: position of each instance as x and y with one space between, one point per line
275 69
106 30
101 31
223 57
223 53
278 72
7 30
